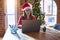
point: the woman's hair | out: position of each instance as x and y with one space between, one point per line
25 15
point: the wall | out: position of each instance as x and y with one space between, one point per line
58 10
2 19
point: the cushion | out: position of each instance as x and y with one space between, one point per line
57 26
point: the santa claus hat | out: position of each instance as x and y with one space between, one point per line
26 6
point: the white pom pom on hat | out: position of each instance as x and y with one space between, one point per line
26 6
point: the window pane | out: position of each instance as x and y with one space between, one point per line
11 19
50 20
10 6
48 7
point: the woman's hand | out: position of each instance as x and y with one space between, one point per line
19 26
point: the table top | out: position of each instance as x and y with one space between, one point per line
50 34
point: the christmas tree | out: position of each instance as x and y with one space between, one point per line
37 12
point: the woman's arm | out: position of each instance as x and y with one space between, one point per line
19 26
20 22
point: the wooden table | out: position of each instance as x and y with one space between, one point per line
50 34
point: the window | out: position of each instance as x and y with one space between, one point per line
50 10
10 12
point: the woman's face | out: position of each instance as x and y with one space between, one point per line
28 11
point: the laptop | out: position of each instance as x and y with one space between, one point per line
31 25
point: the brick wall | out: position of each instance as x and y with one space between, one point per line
58 7
2 19
58 11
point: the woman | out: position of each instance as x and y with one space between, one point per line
27 14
